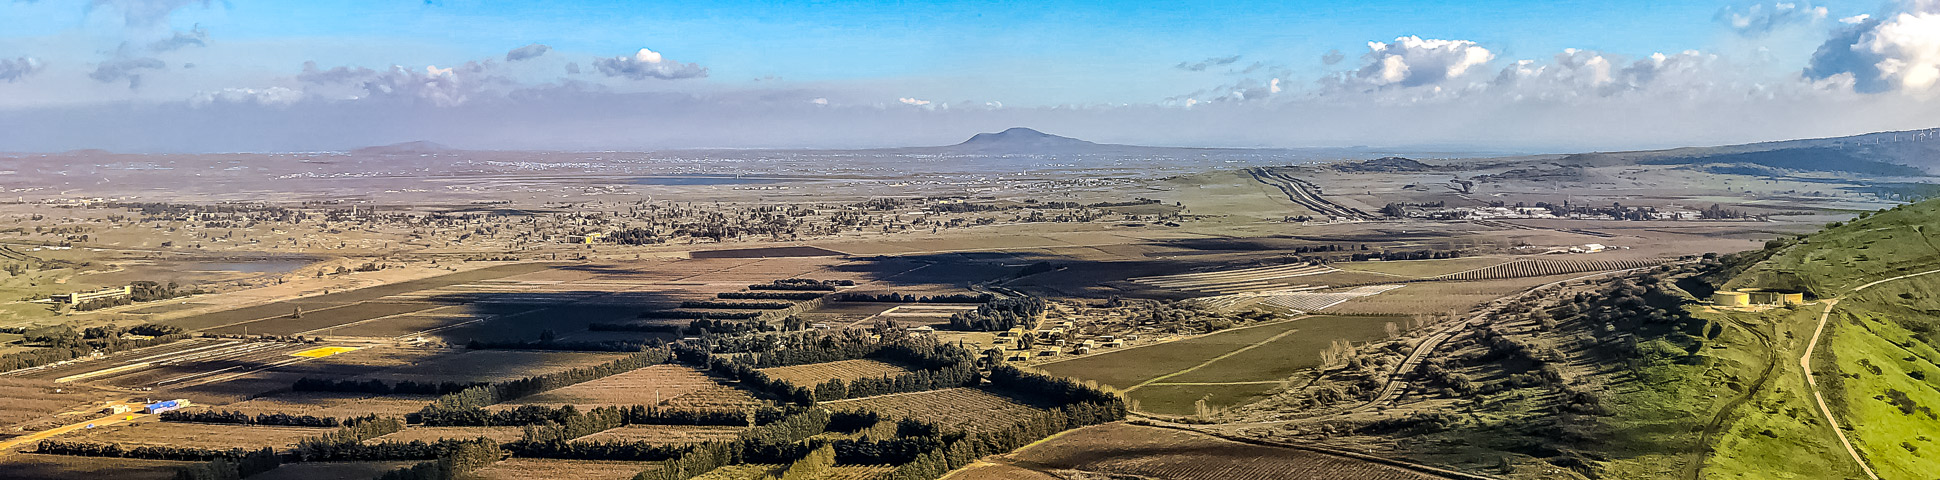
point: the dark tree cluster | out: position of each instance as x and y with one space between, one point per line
999 315
239 418
225 468
70 345
690 314
453 461
379 387
621 416
150 452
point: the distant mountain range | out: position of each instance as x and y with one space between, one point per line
1905 153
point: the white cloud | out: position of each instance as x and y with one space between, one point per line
1898 51
272 96
819 101
913 101
1412 61
1760 19
646 64
1855 19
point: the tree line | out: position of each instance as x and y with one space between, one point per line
709 304
379 387
240 418
769 295
226 468
893 297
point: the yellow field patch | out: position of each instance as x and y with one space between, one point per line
321 352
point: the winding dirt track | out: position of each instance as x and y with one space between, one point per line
1805 364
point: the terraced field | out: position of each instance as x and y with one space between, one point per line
1121 450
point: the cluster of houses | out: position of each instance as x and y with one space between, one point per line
1054 341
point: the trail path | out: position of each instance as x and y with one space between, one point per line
1805 363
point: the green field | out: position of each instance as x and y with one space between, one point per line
1423 268
1256 358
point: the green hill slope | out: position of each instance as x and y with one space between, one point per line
1875 362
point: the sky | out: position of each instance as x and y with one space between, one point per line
169 76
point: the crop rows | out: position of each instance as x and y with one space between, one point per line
1540 268
1316 301
1229 281
969 408
816 373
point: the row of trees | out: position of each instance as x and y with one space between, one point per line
803 284
379 387
893 297
151 452
239 418
70 348
621 416
689 314
769 295
709 304
454 460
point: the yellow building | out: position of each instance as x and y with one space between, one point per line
1772 297
1731 299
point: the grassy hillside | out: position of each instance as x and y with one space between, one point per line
1875 363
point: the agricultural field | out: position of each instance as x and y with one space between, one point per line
1226 367
1523 268
22 400
31 466
332 470
197 435
536 468
433 434
493 365
972 409
1238 280
328 404
1151 452
816 373
1422 268
665 434
1312 301
674 385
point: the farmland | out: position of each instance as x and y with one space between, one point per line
27 466
433 434
967 408
845 369
199 435
1150 452
531 468
664 434
673 385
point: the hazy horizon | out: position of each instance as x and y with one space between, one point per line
186 76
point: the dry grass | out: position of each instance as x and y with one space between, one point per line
968 408
197 435
674 385
330 404
332 470
22 400
433 434
1151 452
816 373
29 466
532 468
665 434
493 365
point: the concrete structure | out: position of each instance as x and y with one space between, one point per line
78 297
1731 299
1773 297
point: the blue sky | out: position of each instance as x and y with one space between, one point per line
921 72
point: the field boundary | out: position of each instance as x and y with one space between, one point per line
1187 337
1405 465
